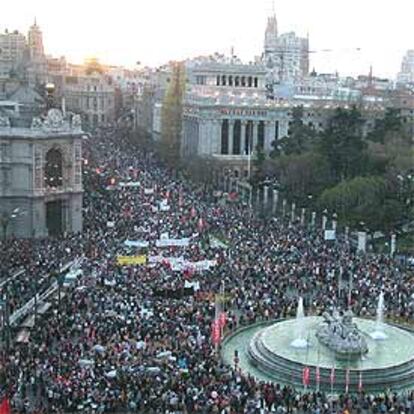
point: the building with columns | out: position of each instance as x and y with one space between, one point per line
228 118
40 175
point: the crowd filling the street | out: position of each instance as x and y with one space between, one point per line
157 257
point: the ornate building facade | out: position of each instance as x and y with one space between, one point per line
41 176
228 118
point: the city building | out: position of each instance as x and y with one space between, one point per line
12 52
228 118
40 174
406 74
286 56
93 95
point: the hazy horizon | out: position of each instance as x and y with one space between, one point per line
159 31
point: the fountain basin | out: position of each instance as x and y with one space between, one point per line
265 352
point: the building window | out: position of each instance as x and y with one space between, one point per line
218 80
236 81
243 81
223 80
230 80
250 82
256 83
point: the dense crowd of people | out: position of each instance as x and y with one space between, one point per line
138 338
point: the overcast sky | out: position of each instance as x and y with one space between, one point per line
156 31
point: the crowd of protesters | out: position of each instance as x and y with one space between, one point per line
137 339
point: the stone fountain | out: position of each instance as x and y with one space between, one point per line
300 340
379 334
342 336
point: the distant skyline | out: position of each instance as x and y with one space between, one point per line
157 31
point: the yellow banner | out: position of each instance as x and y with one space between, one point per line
131 260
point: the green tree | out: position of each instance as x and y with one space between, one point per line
171 116
300 136
299 175
368 199
391 124
342 145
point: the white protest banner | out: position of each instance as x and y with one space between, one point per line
164 236
110 224
164 205
194 285
330 235
123 184
217 244
203 265
172 242
148 191
136 243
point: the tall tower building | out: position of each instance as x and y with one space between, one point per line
271 33
35 40
406 74
286 56
37 65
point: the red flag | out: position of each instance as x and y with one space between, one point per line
318 376
215 332
222 320
5 407
347 380
200 224
360 382
193 212
332 377
306 376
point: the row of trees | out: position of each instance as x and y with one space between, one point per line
355 173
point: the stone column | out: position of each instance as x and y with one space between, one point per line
243 137
334 222
293 212
313 219
255 135
275 200
202 137
265 196
284 208
393 244
268 135
324 220
302 216
230 136
346 233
